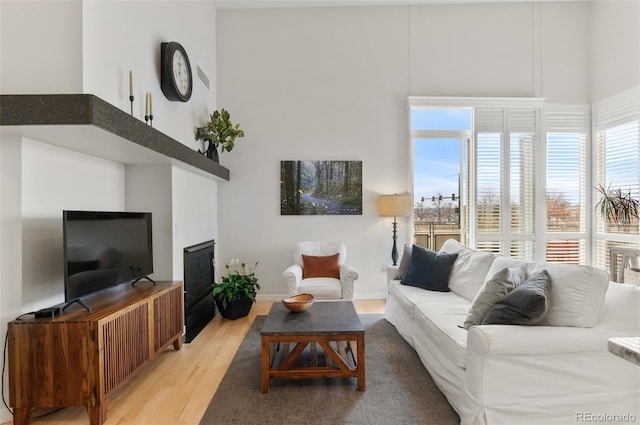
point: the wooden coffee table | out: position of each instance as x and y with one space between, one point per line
326 341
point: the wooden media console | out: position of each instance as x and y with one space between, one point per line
80 358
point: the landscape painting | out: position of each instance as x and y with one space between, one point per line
321 187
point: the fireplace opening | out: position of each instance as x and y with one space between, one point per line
199 307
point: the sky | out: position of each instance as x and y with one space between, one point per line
437 161
437 166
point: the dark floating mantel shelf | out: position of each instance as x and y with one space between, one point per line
88 124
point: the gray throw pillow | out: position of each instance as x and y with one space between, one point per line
500 284
404 261
527 304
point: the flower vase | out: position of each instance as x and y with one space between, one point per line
212 153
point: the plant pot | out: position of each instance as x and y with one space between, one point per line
212 153
236 309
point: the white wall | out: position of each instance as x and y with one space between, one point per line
48 57
526 49
184 207
331 83
565 52
195 214
10 238
615 52
326 84
149 189
119 36
472 50
10 230
53 180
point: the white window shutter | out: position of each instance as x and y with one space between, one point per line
617 163
566 130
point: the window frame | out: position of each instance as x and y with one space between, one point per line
620 109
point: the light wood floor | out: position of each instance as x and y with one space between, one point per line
176 387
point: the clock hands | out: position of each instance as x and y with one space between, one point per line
176 80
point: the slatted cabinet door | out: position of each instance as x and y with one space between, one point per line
125 341
168 319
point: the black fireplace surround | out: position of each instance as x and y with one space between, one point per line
199 307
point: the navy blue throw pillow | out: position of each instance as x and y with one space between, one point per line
429 270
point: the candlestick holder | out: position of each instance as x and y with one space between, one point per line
131 100
146 119
151 120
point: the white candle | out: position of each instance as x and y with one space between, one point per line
146 104
130 83
150 104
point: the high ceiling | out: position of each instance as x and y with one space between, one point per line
247 4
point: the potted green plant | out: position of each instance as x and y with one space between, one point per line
617 207
219 132
236 292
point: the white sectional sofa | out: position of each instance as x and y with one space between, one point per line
559 372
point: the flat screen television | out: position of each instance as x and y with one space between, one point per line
104 249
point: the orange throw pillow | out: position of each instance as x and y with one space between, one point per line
316 266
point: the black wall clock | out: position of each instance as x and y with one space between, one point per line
176 80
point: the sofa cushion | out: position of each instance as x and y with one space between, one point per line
469 270
321 287
621 307
499 285
577 294
320 266
440 322
428 269
409 296
527 304
501 262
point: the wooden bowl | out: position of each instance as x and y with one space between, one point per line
298 303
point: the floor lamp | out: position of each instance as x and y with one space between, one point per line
394 206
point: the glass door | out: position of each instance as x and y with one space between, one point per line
441 139
440 183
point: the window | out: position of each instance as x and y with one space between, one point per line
489 177
566 183
497 159
617 164
528 173
440 144
506 151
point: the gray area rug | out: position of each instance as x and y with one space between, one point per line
399 390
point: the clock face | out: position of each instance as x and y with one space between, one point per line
181 72
175 72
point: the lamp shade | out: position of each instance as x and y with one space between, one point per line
394 205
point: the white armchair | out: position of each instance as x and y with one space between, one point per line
322 288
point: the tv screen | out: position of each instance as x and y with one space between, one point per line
104 249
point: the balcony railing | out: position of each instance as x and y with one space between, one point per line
432 235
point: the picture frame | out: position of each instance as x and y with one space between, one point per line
321 187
